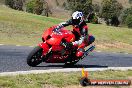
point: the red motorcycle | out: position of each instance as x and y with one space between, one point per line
51 50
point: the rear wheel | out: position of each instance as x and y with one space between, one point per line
71 60
35 57
71 63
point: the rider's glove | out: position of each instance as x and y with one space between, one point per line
57 28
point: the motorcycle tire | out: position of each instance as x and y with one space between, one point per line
70 63
35 57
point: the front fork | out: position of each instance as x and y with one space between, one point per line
45 48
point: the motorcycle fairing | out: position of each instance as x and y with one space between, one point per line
45 47
53 40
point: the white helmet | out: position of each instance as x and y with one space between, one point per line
77 17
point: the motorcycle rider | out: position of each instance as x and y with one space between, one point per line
80 29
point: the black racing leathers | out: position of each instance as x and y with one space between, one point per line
83 29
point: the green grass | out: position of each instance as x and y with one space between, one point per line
117 39
58 79
109 33
17 27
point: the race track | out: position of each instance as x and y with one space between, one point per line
13 58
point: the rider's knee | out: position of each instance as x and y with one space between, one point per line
92 39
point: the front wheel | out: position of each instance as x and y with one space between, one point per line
35 57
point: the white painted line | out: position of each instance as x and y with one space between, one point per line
31 46
1 44
18 45
98 51
126 53
63 70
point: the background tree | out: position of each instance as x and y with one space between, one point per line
57 3
15 4
9 3
39 7
96 8
64 5
30 6
110 8
18 4
130 1
35 6
127 17
129 21
47 10
125 13
80 5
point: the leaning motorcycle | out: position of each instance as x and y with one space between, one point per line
51 49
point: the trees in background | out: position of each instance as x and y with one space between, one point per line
86 7
130 1
39 7
80 5
57 3
32 6
127 17
129 21
15 4
96 8
111 9
35 6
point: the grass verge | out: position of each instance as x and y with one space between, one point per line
113 39
23 28
58 79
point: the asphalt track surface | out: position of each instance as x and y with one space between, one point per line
13 58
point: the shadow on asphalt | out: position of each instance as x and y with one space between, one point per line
76 66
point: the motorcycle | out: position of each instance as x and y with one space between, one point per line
51 49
